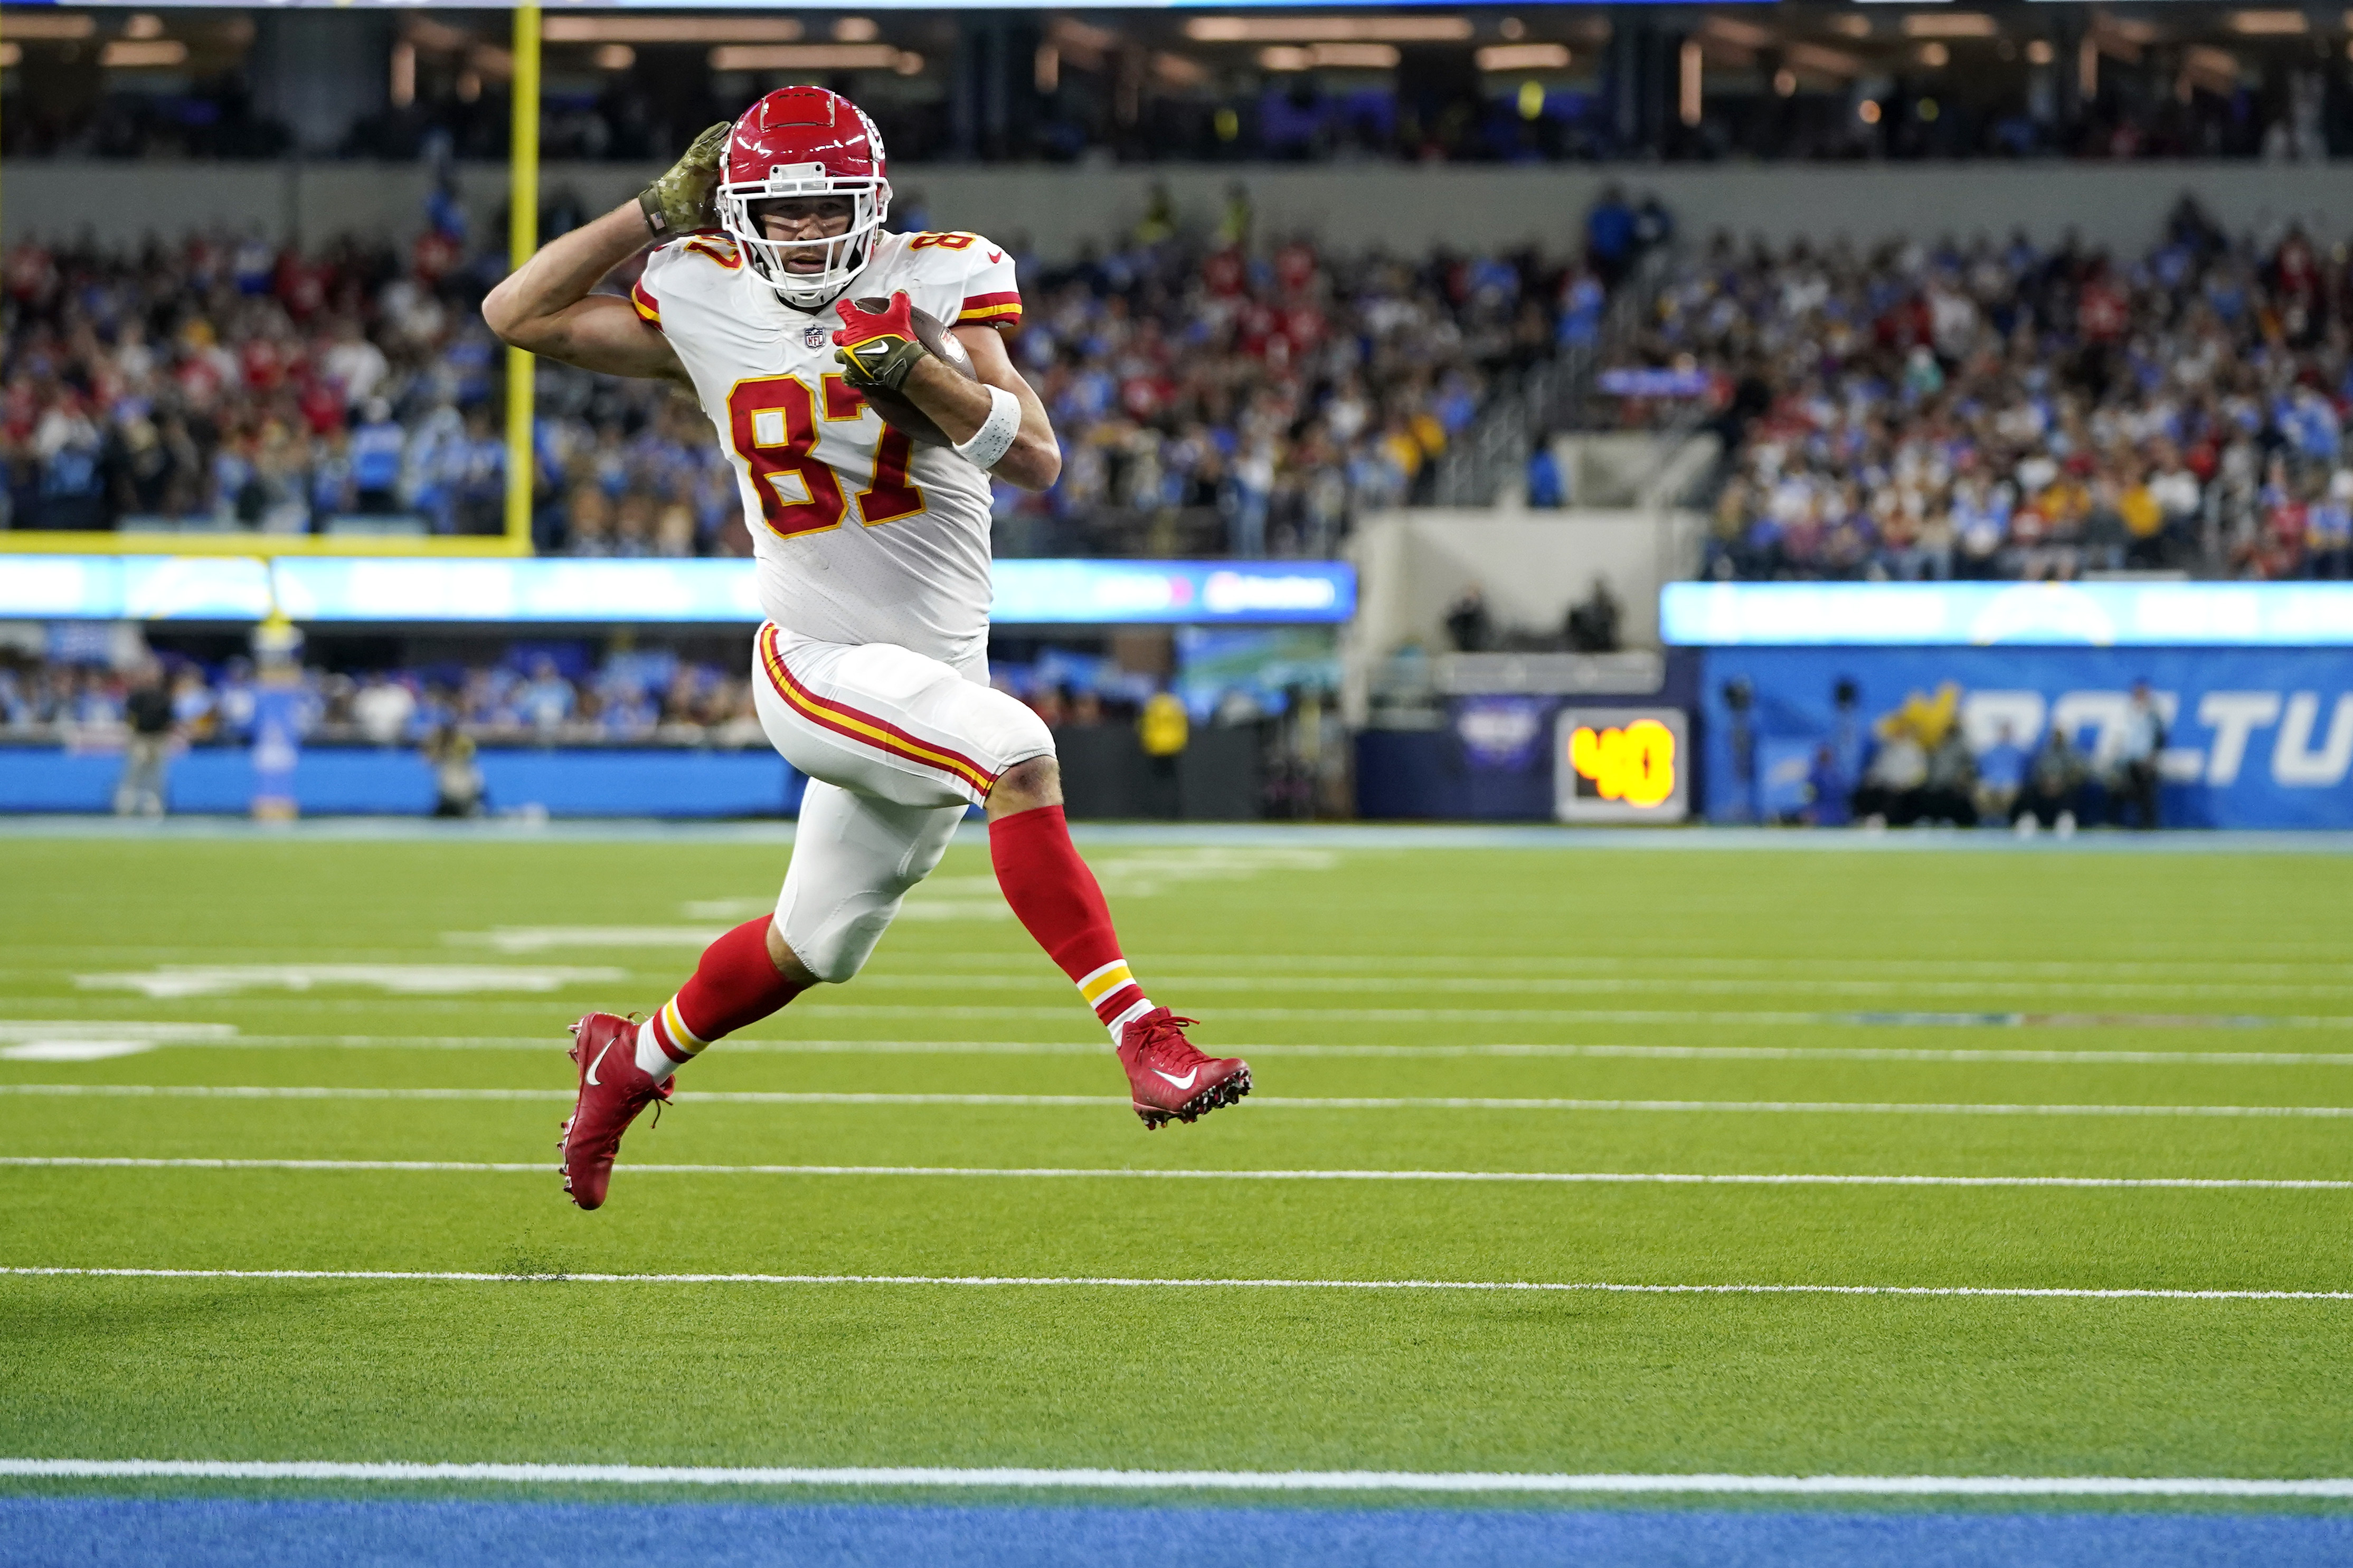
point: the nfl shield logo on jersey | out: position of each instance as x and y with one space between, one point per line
815 337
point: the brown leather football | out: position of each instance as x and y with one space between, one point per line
900 411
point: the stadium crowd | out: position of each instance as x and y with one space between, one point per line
2010 411
558 693
532 697
1250 402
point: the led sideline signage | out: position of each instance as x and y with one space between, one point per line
2021 614
567 590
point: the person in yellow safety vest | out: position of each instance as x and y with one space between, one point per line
1163 725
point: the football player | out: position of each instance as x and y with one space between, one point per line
871 552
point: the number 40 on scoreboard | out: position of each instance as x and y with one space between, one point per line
1621 764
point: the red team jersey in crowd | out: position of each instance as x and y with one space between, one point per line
860 535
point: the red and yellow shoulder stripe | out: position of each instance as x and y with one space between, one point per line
716 248
647 306
994 310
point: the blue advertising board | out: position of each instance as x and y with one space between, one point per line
422 588
2035 615
2255 737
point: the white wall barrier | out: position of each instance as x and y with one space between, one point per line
1402 206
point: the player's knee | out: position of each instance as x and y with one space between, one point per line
1027 784
834 956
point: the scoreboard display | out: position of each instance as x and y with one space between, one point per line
1621 764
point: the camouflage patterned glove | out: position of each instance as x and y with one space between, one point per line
681 201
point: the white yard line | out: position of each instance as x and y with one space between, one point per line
1262 1102
1052 1172
736 1046
842 1006
1036 1479
1117 1282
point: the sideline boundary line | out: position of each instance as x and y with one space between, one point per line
1028 1480
1117 1282
1261 1101
1052 1172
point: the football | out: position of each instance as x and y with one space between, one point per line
897 410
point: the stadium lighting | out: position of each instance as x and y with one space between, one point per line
672 30
814 56
1741 35
1950 25
23 25
1935 57
127 54
1339 56
1523 58
2268 24
1822 61
1327 29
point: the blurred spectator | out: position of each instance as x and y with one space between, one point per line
147 747
1213 399
382 710
2053 796
2001 772
2139 745
1592 625
457 781
2019 412
1948 792
1468 625
1894 782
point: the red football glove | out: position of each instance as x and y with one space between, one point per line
878 348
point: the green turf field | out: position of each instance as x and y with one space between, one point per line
1443 1011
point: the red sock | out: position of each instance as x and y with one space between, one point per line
735 984
1056 897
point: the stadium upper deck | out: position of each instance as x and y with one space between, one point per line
1794 81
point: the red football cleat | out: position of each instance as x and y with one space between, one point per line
613 1090
1167 1078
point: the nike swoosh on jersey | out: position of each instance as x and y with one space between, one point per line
593 1082
1184 1082
995 256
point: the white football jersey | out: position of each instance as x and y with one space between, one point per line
860 535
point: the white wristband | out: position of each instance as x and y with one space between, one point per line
995 437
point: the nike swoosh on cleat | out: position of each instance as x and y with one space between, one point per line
1184 1082
593 1083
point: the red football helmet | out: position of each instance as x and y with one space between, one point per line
805 141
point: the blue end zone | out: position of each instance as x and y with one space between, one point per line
112 1532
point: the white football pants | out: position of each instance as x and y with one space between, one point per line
896 746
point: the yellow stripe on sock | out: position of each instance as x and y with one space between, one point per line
1095 987
680 1035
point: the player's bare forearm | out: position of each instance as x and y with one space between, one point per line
546 306
959 407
